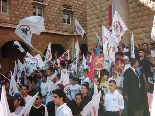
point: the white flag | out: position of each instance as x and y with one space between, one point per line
107 62
25 111
118 27
20 66
65 82
28 26
153 30
4 107
19 46
95 90
48 55
62 57
79 29
98 39
51 87
76 53
13 86
92 107
15 70
132 47
108 43
36 61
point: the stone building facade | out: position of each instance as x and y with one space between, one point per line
60 30
138 15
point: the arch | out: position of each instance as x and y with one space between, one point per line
9 53
56 47
84 48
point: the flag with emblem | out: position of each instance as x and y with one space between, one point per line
65 54
28 26
65 82
98 39
25 111
79 28
36 61
19 46
92 107
153 30
13 86
109 46
118 27
4 107
76 53
20 66
132 47
90 70
48 55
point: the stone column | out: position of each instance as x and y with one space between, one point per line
122 7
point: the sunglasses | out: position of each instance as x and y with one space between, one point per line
149 57
37 98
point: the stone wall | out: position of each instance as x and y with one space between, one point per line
97 15
140 19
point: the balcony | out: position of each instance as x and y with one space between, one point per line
39 3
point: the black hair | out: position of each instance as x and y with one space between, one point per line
27 87
122 44
61 86
22 103
86 85
79 94
51 69
59 75
76 79
144 43
85 70
60 93
40 95
118 53
10 103
34 80
45 76
112 81
133 61
42 71
98 79
103 72
63 64
29 78
141 50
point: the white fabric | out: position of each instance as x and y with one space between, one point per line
87 80
28 26
50 78
48 55
119 82
91 109
17 111
44 88
98 39
28 106
118 27
19 46
132 47
153 53
153 30
79 28
126 67
113 101
74 89
58 82
27 99
63 110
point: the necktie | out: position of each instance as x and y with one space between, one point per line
140 86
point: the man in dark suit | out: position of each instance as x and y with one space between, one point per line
132 87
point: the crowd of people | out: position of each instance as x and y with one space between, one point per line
120 94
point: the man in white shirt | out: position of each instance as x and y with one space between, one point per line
58 81
24 91
74 88
50 73
86 79
118 79
114 103
44 89
59 99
